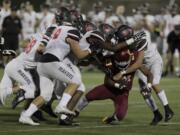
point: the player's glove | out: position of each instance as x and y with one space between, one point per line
120 86
146 90
95 49
9 53
138 36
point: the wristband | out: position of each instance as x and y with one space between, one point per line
129 41
149 85
116 85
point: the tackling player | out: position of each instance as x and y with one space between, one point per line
64 39
153 61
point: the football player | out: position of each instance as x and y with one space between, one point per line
117 89
64 39
153 61
16 70
90 37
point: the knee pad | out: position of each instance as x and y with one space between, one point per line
81 87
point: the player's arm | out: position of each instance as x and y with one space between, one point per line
114 48
113 84
147 73
45 39
132 68
129 43
75 47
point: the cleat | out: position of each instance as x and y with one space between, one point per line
48 109
63 110
27 120
39 116
108 120
157 118
68 121
3 95
168 114
76 114
18 99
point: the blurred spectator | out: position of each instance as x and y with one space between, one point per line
11 28
97 16
111 18
29 18
173 40
5 11
120 10
159 25
46 18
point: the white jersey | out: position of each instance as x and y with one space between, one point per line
57 46
28 57
28 22
151 53
3 13
45 21
84 45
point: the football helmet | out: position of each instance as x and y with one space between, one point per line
107 30
62 15
96 40
122 59
123 33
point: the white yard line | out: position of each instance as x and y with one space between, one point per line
86 127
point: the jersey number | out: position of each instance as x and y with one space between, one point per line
30 45
56 33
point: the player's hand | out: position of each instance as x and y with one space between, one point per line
41 48
117 77
94 49
149 87
138 36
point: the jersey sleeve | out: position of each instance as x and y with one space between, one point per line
47 35
73 34
141 45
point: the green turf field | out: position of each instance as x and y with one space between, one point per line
135 123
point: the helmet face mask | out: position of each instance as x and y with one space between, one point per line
88 26
107 30
123 33
62 15
123 59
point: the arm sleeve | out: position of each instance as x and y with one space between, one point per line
73 34
47 35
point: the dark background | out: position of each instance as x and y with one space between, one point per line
87 4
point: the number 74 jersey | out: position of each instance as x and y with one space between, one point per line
28 57
57 45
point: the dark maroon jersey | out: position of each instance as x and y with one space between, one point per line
120 61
